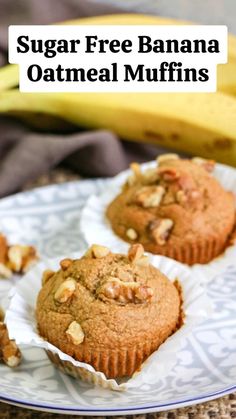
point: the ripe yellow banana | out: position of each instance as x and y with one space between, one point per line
226 78
9 74
137 19
9 77
201 123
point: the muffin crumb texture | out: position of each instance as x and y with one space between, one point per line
176 209
108 310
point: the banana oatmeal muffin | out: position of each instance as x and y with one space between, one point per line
108 310
176 209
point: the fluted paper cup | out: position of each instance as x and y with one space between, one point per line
21 322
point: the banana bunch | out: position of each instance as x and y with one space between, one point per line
198 123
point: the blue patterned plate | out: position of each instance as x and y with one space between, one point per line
206 368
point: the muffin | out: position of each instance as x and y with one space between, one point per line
177 209
108 310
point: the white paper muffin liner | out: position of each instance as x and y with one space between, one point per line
21 322
94 223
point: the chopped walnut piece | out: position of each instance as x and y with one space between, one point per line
189 188
137 174
150 176
9 352
186 183
2 315
135 252
160 230
65 263
47 274
143 261
15 255
125 292
208 165
98 252
194 194
136 169
124 275
169 174
3 249
65 290
181 197
75 333
143 293
169 198
150 196
21 258
5 272
131 234
163 158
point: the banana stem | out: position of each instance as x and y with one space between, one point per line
9 77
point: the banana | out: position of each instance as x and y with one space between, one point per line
226 78
200 124
9 74
9 77
137 19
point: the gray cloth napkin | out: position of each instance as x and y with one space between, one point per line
26 154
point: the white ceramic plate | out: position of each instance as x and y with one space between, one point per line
49 218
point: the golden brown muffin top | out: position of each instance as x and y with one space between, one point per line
178 198
106 298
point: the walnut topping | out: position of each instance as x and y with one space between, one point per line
137 174
169 174
194 194
136 169
3 248
144 293
150 176
135 252
98 252
169 198
9 352
143 261
75 333
124 275
47 274
131 234
187 183
5 272
186 196
1 314
208 165
21 258
160 230
65 291
125 292
181 197
15 256
167 157
150 196
65 263
189 188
